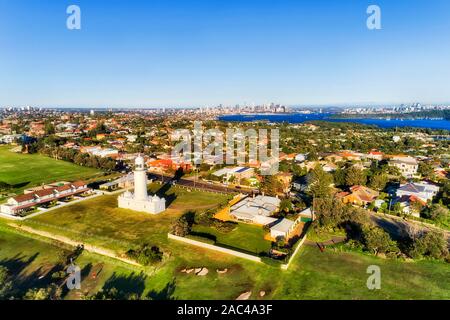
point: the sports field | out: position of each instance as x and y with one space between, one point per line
24 170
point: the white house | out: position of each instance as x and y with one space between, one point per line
238 173
42 196
408 166
256 209
300 157
423 190
283 229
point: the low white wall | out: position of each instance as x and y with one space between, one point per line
285 266
213 247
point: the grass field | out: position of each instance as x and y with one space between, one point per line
101 222
312 275
24 170
245 237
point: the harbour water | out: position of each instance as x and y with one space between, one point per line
300 118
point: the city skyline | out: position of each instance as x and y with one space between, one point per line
168 54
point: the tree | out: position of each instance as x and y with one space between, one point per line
319 182
182 227
330 211
378 241
355 176
339 177
431 244
312 156
271 185
425 169
5 283
445 193
49 128
286 205
417 206
378 181
438 213
52 292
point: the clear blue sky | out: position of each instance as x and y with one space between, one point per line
182 53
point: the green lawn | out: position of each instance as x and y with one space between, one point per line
100 221
312 274
27 259
24 170
342 275
245 237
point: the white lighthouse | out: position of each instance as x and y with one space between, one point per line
140 179
139 200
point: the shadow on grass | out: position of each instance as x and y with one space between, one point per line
131 285
165 294
162 192
204 235
21 185
39 278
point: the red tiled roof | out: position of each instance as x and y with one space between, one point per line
24 197
64 188
45 192
78 184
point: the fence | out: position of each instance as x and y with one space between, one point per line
213 247
299 244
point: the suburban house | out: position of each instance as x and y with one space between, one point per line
256 209
407 204
408 166
300 157
123 182
283 229
375 155
161 165
360 195
238 173
422 190
45 195
329 167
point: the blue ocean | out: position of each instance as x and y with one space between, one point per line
299 118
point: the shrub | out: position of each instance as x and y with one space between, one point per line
181 227
432 244
145 254
224 226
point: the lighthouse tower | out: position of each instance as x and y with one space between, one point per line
140 180
139 200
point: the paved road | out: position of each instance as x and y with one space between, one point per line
198 184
